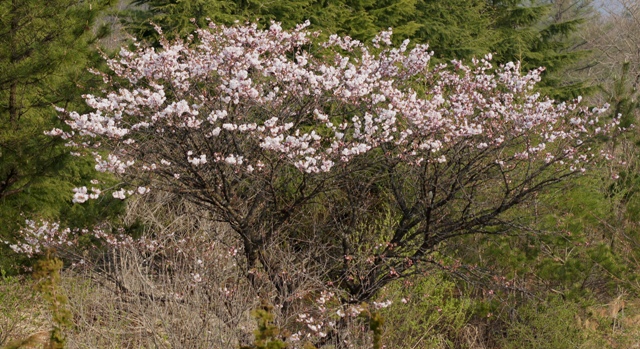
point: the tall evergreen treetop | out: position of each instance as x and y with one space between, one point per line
540 33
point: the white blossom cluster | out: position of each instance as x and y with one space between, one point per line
242 93
327 311
38 237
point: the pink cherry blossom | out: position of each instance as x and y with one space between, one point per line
262 128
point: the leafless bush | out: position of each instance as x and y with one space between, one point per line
179 286
185 284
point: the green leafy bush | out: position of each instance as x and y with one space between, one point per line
427 312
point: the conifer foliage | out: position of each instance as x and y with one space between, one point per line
45 47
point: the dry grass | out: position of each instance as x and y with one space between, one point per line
22 311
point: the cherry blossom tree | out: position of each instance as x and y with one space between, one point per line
360 160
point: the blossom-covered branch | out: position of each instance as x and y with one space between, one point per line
314 143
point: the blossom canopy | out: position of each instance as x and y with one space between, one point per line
239 95
278 136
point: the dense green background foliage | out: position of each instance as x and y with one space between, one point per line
46 48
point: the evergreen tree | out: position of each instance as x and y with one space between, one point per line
45 48
457 29
182 17
540 34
